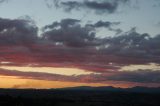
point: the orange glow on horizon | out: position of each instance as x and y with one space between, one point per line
15 82
21 83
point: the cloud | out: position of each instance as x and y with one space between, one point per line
141 76
64 23
1 1
48 76
17 31
71 35
133 44
108 25
70 32
102 6
105 24
70 44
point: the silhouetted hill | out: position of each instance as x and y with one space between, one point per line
110 88
81 96
144 89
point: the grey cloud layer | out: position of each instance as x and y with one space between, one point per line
142 76
134 44
70 33
129 44
17 31
101 6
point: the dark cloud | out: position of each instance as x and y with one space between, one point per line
105 24
133 44
71 33
110 7
17 31
65 23
142 76
102 6
68 41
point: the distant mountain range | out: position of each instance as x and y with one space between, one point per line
110 88
137 89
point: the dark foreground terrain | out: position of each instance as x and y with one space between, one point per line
83 96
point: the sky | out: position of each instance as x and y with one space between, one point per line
67 43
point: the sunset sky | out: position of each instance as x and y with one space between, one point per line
67 43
